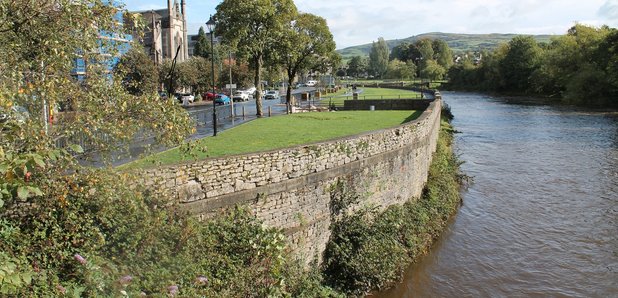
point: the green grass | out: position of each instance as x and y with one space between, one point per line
280 132
372 93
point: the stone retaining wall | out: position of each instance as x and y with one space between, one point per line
294 188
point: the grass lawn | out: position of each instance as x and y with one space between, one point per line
281 132
372 93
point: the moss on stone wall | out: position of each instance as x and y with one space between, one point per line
369 250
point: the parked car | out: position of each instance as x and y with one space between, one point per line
311 83
188 97
222 99
271 94
208 96
241 95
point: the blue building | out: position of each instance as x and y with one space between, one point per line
111 47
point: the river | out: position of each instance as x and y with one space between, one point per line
541 218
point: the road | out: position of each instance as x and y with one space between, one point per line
202 114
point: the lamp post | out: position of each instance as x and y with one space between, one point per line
211 27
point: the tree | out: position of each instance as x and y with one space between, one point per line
378 58
425 49
519 63
401 52
357 66
252 26
442 53
308 45
196 73
56 207
202 45
138 72
400 70
433 71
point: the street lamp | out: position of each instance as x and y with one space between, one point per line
211 27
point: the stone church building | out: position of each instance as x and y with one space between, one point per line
166 32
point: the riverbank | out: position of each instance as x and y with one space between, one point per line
369 250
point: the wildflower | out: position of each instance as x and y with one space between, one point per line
201 280
126 279
61 289
80 259
173 290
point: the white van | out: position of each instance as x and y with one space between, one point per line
311 83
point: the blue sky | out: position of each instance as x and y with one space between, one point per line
355 22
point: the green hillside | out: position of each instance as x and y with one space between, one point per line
458 42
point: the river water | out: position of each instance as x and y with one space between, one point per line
541 218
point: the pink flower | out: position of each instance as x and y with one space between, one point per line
61 289
202 280
173 290
126 279
80 259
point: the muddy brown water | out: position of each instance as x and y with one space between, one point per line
541 218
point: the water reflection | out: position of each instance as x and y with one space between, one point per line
541 217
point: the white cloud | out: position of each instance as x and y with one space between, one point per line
362 21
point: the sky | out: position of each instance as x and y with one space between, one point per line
356 22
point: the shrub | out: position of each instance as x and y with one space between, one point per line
369 250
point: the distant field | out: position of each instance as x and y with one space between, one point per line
281 132
370 93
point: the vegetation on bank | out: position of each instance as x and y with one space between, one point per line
580 67
103 239
369 250
280 132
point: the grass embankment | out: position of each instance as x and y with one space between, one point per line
280 132
370 250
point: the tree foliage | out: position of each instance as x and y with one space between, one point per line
68 230
378 58
520 61
433 71
202 45
252 26
400 70
357 66
578 67
139 73
442 53
308 45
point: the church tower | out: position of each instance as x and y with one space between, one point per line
171 45
184 29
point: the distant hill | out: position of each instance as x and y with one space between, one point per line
458 42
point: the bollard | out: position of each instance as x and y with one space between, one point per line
372 108
243 112
269 111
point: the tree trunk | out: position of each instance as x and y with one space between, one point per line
258 85
289 101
